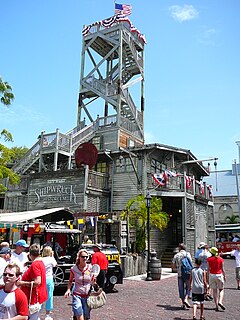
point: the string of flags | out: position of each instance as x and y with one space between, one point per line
162 178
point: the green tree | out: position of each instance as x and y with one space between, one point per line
6 154
232 219
6 93
136 213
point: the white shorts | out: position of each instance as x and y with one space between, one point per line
216 281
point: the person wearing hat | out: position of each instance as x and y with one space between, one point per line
19 256
5 255
100 258
201 247
217 277
235 253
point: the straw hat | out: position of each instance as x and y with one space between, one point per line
214 251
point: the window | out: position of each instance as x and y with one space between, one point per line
124 164
101 167
157 166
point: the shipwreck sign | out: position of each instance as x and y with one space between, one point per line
66 192
56 191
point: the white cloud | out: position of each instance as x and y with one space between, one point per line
21 114
207 37
183 13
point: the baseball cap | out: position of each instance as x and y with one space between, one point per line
5 250
22 243
214 251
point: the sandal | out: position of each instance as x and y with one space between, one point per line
187 304
221 306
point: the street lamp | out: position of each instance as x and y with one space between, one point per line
148 199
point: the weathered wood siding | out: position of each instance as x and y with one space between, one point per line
190 226
124 188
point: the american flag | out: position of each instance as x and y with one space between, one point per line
125 9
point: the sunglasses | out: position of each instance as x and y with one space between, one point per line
11 275
84 257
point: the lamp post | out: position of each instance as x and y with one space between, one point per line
148 199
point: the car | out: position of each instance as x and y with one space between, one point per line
114 273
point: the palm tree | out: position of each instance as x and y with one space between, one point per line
232 219
136 213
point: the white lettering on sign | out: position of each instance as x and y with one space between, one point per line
56 181
56 193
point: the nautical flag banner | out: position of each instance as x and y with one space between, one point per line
80 221
92 221
159 178
37 227
125 9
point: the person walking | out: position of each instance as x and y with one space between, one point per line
235 253
19 256
33 282
100 258
49 262
200 249
13 302
203 256
81 274
5 256
183 280
198 286
216 276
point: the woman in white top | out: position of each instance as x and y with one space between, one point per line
49 262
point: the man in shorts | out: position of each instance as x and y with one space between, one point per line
216 277
235 253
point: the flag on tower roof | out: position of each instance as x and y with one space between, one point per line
124 9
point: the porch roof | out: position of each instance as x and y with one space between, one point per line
12 217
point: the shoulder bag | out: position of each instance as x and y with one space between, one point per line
33 308
96 299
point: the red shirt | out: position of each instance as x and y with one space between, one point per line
39 293
215 264
100 259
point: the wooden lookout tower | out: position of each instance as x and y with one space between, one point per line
111 97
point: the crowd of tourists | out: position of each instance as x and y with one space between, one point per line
26 281
205 281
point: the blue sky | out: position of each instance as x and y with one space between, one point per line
192 69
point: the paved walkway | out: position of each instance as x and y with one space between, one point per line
140 299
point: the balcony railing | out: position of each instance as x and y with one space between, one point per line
178 184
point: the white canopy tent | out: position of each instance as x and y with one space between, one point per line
16 217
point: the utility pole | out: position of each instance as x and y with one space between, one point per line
237 185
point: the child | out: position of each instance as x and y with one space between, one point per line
198 285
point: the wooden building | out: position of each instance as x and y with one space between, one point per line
111 117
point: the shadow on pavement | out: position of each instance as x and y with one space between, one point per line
168 307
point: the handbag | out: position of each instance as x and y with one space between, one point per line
33 308
96 299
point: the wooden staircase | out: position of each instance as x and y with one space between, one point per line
167 256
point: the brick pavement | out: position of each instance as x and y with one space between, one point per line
139 299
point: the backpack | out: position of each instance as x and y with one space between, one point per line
186 267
